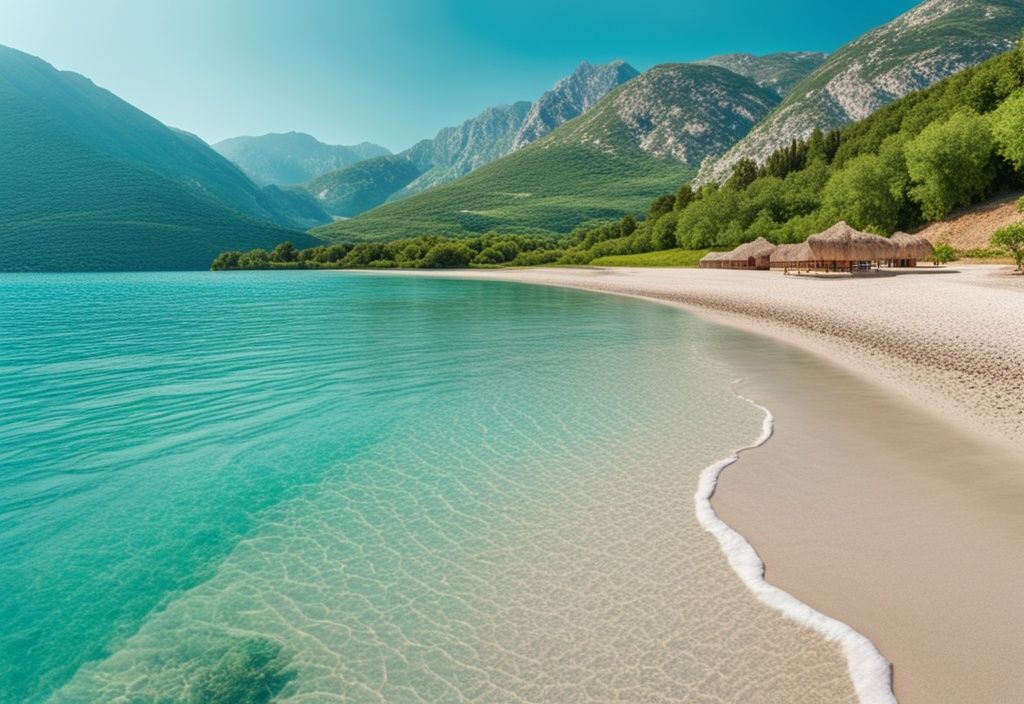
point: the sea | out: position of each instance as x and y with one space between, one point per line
311 486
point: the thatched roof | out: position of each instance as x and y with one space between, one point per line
713 256
792 253
843 243
758 248
911 246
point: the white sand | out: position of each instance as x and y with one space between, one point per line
896 506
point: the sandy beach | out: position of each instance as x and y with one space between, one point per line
891 495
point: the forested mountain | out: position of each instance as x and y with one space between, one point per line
291 158
780 71
642 139
90 182
362 186
933 40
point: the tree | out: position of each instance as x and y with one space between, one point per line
226 260
1008 130
254 259
949 163
627 225
448 255
663 236
1011 239
284 253
861 194
943 253
743 174
660 206
684 196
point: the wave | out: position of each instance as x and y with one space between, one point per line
870 672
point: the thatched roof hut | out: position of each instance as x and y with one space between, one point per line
842 243
711 260
788 254
910 248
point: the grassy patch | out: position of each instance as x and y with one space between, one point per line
666 257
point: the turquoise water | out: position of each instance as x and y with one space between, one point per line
326 487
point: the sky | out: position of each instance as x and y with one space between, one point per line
390 71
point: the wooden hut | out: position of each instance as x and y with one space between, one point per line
908 250
841 248
752 255
711 260
792 257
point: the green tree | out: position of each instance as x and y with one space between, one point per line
684 196
627 226
663 235
862 195
448 255
254 259
226 260
660 206
743 174
943 253
1011 239
284 253
1008 129
949 163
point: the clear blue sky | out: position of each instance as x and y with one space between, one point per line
390 71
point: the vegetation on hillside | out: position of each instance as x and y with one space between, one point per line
361 186
915 160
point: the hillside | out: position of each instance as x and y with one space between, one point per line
933 40
363 185
112 126
780 72
455 151
291 158
571 97
972 227
75 197
641 140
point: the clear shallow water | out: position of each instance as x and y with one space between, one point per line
326 487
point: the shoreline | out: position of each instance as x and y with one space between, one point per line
901 410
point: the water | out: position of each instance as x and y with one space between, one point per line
312 486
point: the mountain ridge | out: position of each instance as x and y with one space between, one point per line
289 158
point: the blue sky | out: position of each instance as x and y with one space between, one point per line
389 71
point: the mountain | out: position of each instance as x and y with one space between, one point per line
780 72
455 151
497 131
362 186
89 182
643 139
287 159
931 41
571 97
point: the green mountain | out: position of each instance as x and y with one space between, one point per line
363 185
643 139
924 45
88 182
780 72
288 159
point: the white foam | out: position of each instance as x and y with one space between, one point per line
870 671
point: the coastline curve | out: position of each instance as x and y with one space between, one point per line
869 670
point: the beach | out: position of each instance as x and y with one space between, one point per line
889 496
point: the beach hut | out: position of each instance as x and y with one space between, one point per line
752 255
792 257
843 248
908 250
711 260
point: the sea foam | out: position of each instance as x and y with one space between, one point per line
870 672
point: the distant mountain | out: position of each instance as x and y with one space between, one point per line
933 40
571 97
364 185
455 151
643 139
89 182
287 159
497 131
780 72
